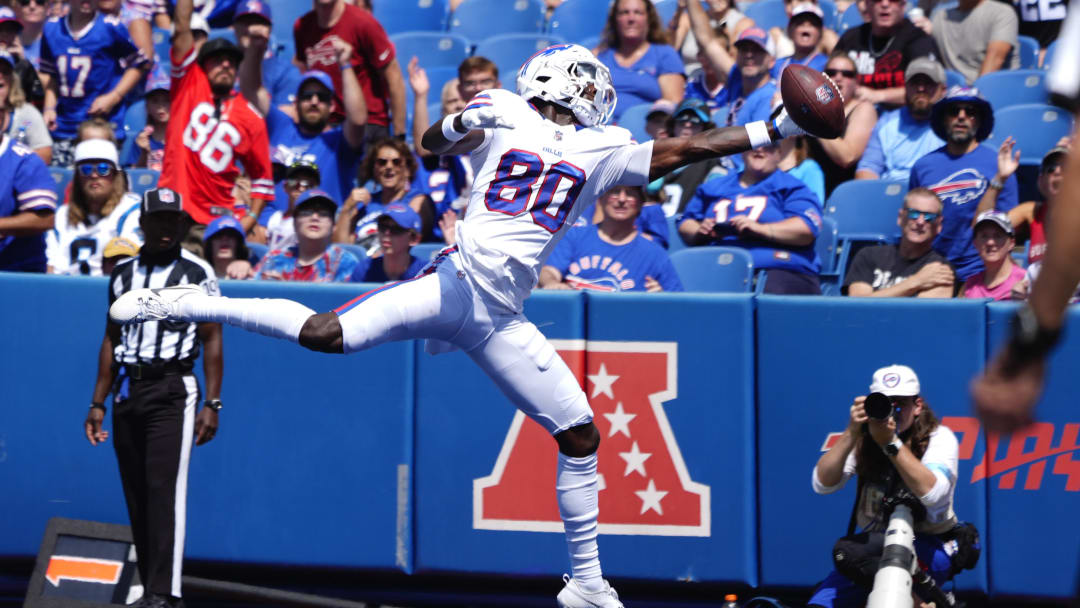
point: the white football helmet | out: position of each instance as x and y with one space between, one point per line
562 74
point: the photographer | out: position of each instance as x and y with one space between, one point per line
897 448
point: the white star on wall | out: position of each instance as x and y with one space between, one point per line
650 498
635 460
620 421
602 383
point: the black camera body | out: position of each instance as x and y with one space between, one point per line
878 406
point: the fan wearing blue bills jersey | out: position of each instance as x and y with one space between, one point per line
88 65
613 255
539 157
770 213
27 207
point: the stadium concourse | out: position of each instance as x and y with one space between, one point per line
368 493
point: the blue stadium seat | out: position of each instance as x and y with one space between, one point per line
1029 52
849 19
954 79
832 16
434 110
509 49
591 42
432 48
286 12
768 13
633 118
675 242
427 251
579 20
162 43
508 75
1035 127
664 8
256 252
141 180
61 177
1013 87
1049 56
478 19
398 16
134 121
714 269
356 250
866 209
826 244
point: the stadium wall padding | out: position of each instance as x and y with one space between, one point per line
712 411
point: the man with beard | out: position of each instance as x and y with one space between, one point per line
960 173
335 150
214 128
903 136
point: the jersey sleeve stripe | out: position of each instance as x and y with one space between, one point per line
264 182
37 193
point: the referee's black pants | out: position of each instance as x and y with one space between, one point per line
153 431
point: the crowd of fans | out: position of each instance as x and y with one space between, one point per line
335 185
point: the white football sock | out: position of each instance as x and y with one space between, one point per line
276 318
577 487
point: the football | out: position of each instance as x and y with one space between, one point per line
813 101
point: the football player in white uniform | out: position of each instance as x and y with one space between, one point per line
540 157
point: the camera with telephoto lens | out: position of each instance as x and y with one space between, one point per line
879 406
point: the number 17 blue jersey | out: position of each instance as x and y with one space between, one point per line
87 64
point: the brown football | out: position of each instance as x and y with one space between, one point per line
812 101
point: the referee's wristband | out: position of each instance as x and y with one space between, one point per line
449 132
97 405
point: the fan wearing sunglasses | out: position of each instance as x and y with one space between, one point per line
838 157
31 15
92 216
912 268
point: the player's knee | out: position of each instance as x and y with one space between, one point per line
579 441
322 333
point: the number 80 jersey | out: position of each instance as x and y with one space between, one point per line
532 181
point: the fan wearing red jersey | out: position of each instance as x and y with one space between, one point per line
213 128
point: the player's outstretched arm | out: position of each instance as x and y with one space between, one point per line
674 152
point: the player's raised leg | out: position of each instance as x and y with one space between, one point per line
525 366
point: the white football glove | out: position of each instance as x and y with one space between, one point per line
785 126
485 117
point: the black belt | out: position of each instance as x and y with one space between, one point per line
148 371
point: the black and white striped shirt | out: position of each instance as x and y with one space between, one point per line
156 342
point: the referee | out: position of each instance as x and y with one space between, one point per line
148 368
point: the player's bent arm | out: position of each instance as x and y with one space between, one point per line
673 152
213 358
436 141
550 277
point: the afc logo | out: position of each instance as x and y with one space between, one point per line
645 488
1031 449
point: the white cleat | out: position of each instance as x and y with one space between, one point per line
573 596
140 305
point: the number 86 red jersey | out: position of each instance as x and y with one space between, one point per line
203 143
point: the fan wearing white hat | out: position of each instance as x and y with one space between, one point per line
99 209
902 447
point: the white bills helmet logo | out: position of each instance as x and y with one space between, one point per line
563 74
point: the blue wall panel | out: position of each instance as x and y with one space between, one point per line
462 421
814 356
1034 480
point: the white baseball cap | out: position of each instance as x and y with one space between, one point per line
895 381
97 149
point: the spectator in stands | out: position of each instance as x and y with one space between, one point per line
1029 217
882 50
707 83
785 45
278 233
336 149
904 135
960 172
225 249
656 121
677 188
1041 21
795 159
399 231
137 24
725 20
280 77
976 36
767 212
21 120
32 15
117 250
634 46
837 157
86 76
25 71
27 207
612 255
911 450
994 240
99 208
317 35
393 167
912 268
313 258
149 149
804 31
